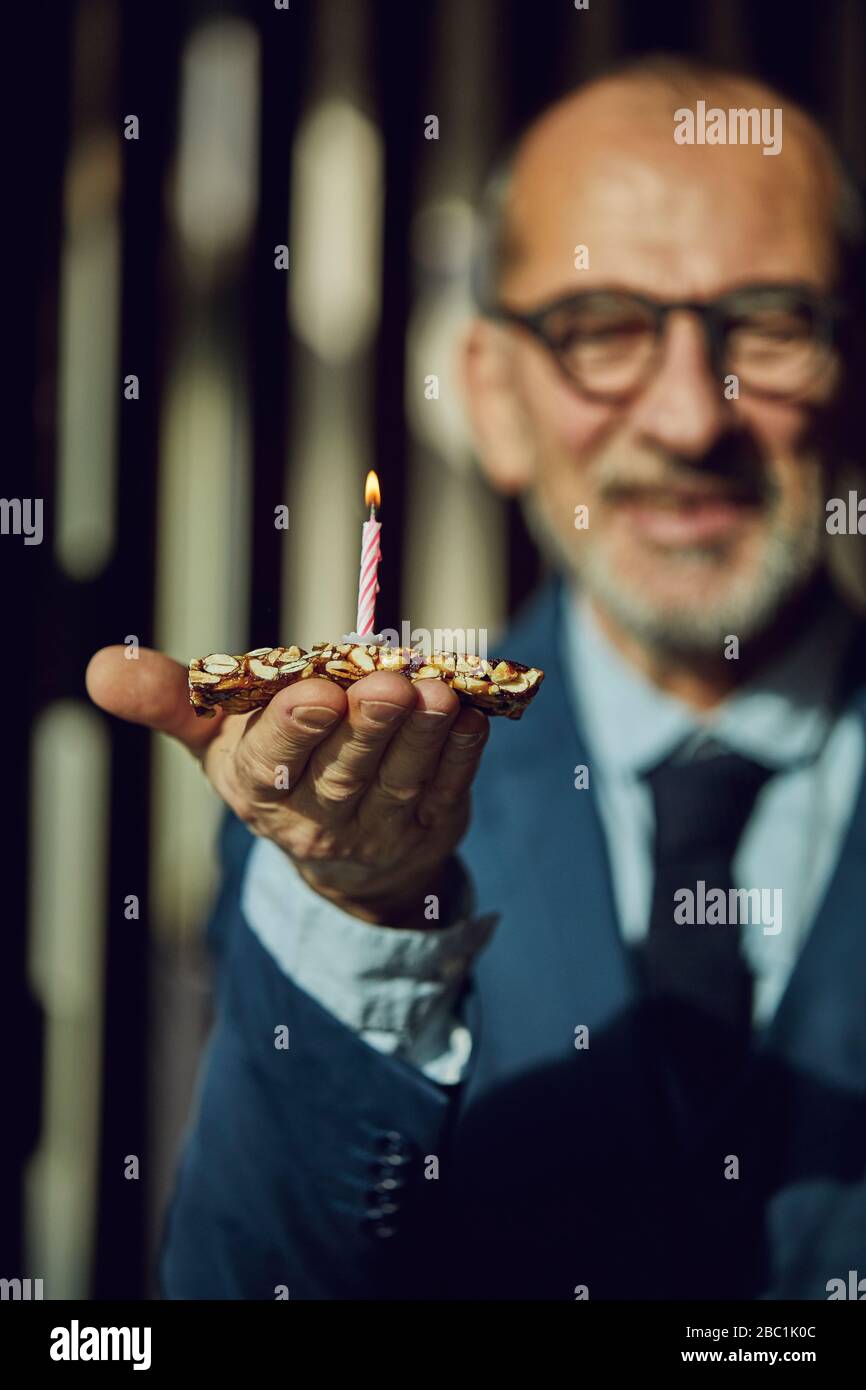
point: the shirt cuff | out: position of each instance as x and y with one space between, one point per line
398 988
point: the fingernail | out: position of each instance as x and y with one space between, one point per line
314 718
422 717
466 740
381 711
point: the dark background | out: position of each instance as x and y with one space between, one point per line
159 511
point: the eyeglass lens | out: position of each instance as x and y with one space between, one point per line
608 342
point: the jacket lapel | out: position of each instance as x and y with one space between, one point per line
539 856
820 1024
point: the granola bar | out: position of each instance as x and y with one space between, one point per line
239 684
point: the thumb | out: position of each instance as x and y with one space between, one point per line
149 689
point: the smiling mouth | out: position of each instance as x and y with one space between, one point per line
685 515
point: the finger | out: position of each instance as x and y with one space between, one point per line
411 759
149 689
276 742
344 765
458 765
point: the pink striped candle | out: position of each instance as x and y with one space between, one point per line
371 554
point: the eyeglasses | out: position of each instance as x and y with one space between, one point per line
776 339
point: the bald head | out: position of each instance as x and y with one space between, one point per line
619 130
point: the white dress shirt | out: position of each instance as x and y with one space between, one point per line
399 989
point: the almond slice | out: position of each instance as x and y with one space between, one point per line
220 664
362 659
203 678
471 685
392 659
265 673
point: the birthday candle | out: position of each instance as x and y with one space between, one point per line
371 554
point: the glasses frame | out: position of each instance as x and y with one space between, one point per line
827 309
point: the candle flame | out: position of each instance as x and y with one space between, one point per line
372 495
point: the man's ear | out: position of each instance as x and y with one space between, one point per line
500 428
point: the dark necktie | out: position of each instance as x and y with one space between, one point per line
700 988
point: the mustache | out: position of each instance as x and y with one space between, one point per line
730 469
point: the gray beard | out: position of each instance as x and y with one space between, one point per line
790 560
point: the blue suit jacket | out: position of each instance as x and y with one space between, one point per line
313 1167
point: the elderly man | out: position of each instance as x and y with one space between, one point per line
628 1059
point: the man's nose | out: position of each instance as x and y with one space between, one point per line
683 409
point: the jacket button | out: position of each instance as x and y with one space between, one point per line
388 1184
376 1223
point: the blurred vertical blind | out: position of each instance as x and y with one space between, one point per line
280 258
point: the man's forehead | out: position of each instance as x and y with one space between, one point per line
604 171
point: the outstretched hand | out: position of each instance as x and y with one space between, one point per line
367 790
